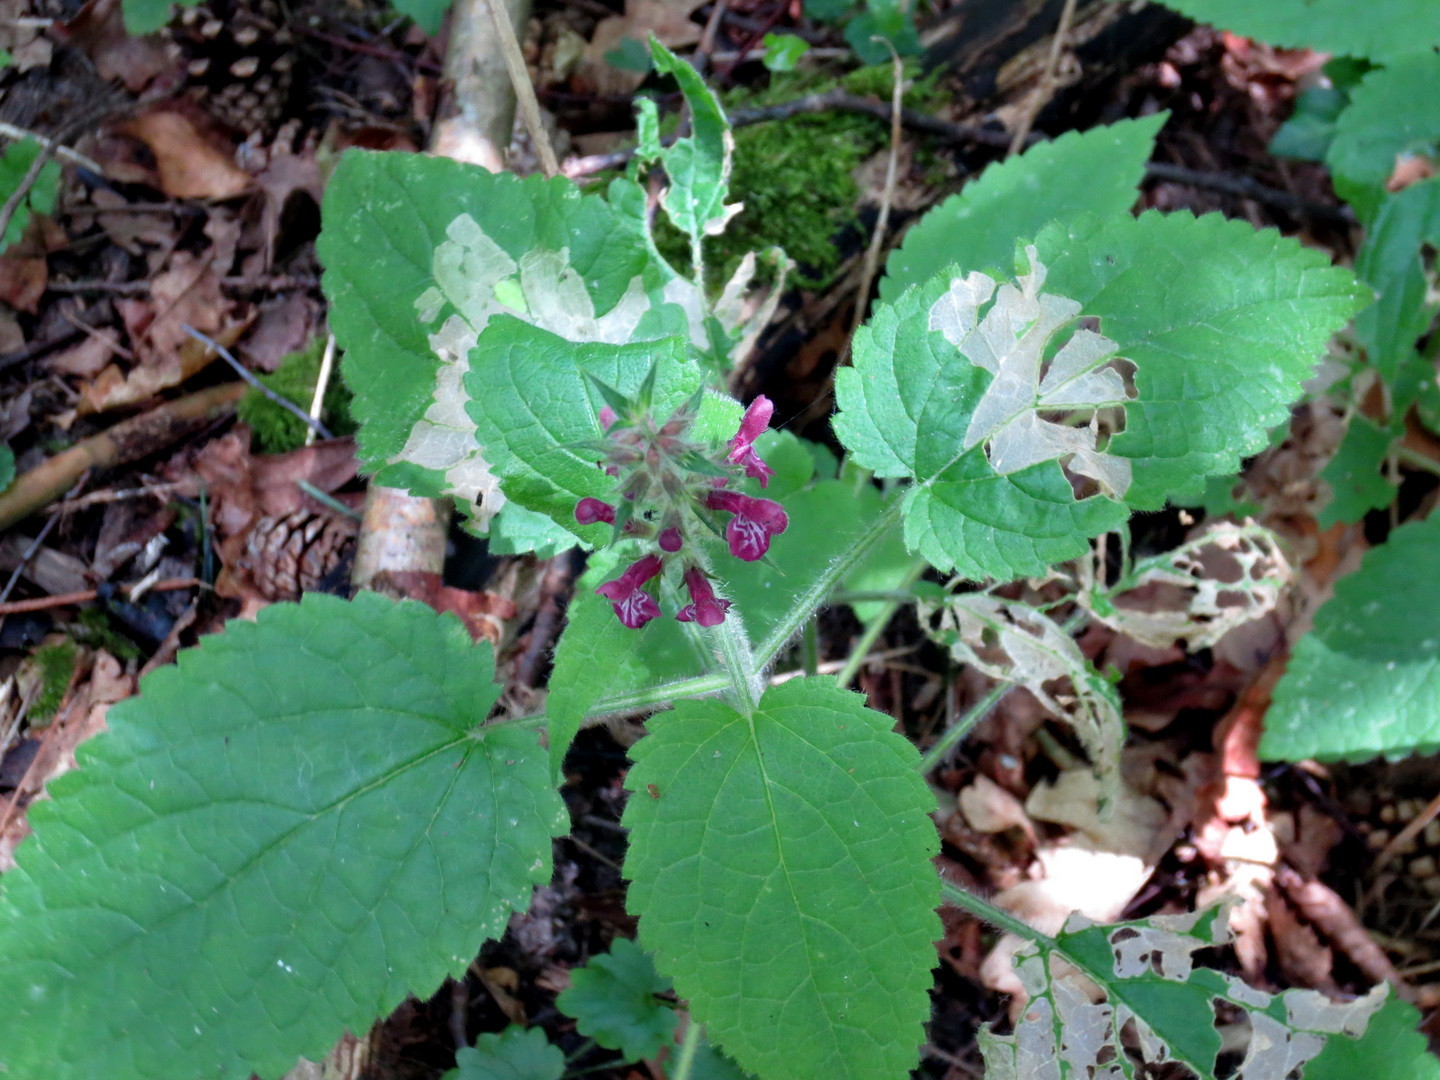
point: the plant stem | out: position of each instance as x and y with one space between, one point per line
988 912
818 593
685 1062
877 625
962 727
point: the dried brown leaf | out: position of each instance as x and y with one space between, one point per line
190 163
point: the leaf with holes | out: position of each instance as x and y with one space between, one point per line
1390 1049
421 253
799 921
516 1053
1151 986
948 387
1379 30
1035 652
615 1000
697 165
1366 680
284 836
1014 199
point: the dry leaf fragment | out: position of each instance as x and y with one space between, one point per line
189 163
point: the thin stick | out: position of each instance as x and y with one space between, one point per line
85 596
25 558
249 376
322 383
1405 835
1046 88
887 197
27 183
64 153
525 97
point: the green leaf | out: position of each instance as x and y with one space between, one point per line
711 1064
783 51
614 999
1013 200
1353 473
1380 29
428 14
282 837
1395 110
14 165
1390 1049
882 26
532 401
1366 680
515 531
825 521
516 1053
1390 261
7 466
1223 323
1308 133
420 252
145 16
698 165
914 405
1146 971
798 920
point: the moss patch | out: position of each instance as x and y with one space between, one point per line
55 665
276 429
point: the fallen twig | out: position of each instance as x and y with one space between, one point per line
85 596
245 373
127 441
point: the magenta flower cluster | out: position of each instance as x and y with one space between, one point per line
665 483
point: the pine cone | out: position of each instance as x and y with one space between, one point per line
239 59
282 557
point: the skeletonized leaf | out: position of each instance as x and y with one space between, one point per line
420 253
1018 644
952 386
1223 323
1199 592
1147 974
799 921
280 839
697 165
1366 680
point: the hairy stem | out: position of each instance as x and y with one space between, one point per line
685 1062
988 912
818 594
962 727
877 625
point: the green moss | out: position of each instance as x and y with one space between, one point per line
276 429
56 666
94 627
796 176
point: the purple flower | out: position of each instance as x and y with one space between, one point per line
670 539
754 523
742 448
607 417
633 605
588 511
705 607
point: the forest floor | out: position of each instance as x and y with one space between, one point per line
194 204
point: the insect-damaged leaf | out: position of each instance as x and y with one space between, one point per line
1150 984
